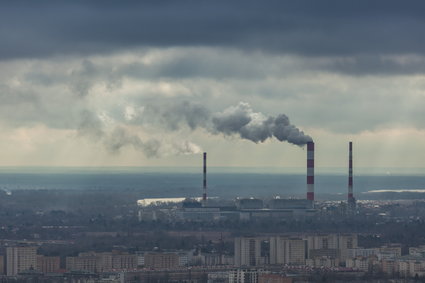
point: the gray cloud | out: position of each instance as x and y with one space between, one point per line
90 126
81 80
308 28
46 92
193 115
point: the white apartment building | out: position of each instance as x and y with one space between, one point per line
248 251
287 250
20 258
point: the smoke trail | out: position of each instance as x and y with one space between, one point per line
238 120
119 137
254 126
235 120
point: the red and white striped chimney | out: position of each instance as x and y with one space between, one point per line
204 195
350 172
310 171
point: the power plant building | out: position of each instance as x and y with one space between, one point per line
246 209
253 208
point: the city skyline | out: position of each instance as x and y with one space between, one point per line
143 84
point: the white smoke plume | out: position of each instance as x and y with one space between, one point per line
239 120
254 126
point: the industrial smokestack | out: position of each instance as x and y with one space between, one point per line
204 195
310 171
350 171
351 200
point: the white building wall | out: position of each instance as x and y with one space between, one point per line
247 251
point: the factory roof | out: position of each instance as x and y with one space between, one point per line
156 201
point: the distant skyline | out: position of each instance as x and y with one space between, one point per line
155 83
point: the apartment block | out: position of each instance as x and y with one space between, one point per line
48 264
20 258
287 250
248 251
161 260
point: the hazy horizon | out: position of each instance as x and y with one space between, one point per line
211 170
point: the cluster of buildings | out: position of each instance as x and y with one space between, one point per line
243 209
255 259
389 260
328 251
262 251
24 258
312 250
101 262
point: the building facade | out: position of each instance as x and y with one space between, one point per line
248 251
48 264
20 258
161 260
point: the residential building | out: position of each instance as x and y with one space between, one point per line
48 264
82 262
20 258
158 260
2 271
243 276
273 278
287 250
248 251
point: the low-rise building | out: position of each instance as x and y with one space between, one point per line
82 262
48 264
243 275
273 278
358 263
411 266
159 260
102 262
352 253
320 262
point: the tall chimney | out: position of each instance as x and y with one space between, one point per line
204 195
310 171
350 173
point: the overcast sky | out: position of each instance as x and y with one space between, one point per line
155 83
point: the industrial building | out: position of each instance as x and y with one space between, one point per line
246 209
249 208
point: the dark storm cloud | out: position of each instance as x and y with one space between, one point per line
369 64
311 28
